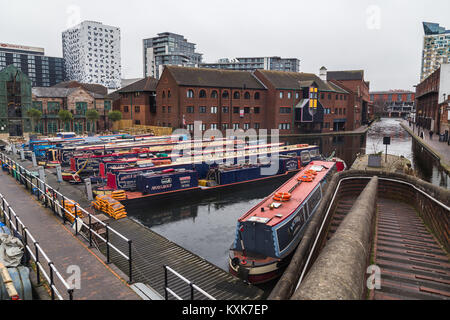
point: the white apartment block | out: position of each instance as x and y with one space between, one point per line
436 48
91 53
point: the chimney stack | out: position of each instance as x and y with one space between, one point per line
323 74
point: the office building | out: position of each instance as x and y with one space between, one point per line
42 70
168 49
91 53
256 63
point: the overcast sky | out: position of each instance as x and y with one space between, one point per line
383 37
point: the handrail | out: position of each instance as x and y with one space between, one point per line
49 195
8 213
190 283
319 233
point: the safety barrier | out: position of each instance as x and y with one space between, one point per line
43 263
344 259
193 287
57 203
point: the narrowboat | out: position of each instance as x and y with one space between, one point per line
125 179
95 160
172 183
65 154
268 234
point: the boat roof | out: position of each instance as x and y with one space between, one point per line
299 195
201 157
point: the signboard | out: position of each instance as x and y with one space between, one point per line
18 47
387 140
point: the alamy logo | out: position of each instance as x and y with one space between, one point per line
74 280
74 16
374 280
373 21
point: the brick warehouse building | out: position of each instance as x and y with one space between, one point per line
431 94
137 101
225 99
360 110
77 100
288 98
221 99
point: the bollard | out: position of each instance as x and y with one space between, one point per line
58 173
88 189
42 178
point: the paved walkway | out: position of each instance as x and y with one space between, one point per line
98 281
440 149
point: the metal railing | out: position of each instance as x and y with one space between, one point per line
56 201
193 286
43 263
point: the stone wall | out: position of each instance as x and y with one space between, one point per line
339 271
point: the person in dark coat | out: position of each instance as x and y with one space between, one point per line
431 134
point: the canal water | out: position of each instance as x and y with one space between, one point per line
207 227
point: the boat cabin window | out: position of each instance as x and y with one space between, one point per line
314 200
292 154
305 157
303 216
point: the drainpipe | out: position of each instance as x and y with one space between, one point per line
293 111
131 109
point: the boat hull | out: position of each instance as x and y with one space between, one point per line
136 200
260 271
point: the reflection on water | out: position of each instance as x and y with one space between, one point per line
402 144
207 227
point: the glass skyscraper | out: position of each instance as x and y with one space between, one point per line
436 48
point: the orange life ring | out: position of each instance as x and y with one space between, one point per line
282 196
311 172
306 178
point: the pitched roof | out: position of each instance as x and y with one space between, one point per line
204 77
346 75
145 84
298 80
91 87
113 96
52 92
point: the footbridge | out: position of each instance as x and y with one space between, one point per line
375 236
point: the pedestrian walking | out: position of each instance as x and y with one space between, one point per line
431 134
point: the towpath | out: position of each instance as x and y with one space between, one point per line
98 280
